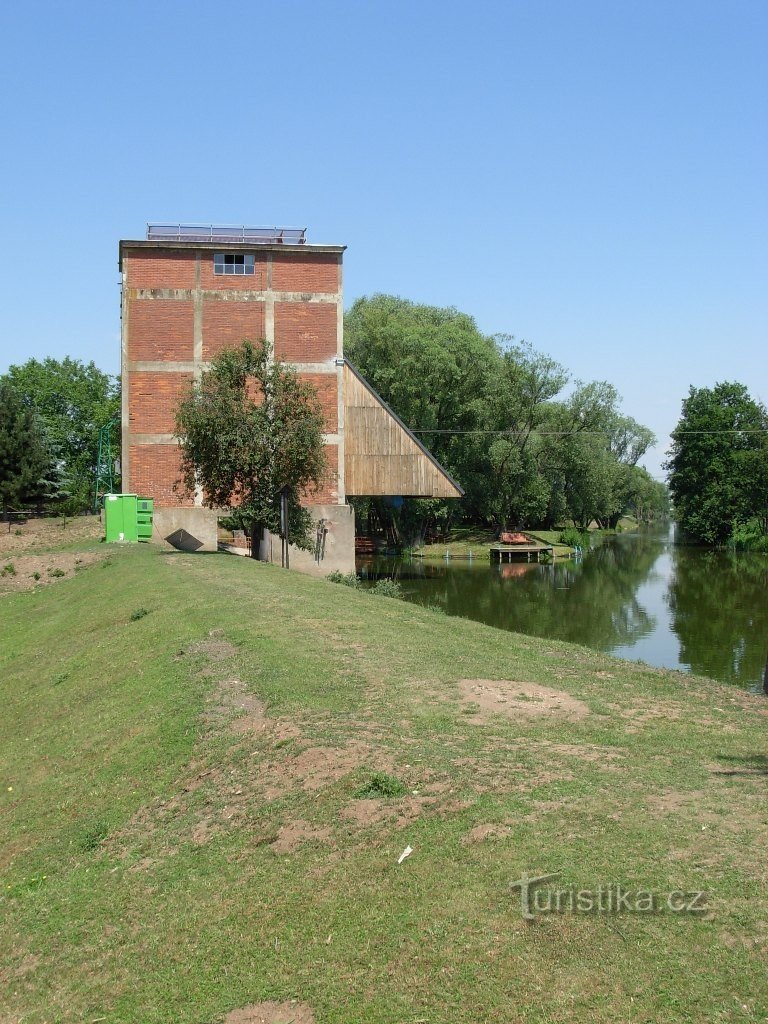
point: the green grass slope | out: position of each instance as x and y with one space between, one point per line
202 808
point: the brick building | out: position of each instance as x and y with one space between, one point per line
189 292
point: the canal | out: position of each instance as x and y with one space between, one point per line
637 595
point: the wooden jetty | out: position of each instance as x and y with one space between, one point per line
515 552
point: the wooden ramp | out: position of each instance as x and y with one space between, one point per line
381 455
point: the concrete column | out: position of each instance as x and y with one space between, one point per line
269 307
197 350
125 377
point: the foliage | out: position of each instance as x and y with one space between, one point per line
29 474
749 536
574 538
250 429
347 579
138 613
387 588
380 784
488 407
718 465
73 400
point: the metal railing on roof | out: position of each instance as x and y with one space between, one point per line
224 233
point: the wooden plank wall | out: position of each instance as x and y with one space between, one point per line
380 455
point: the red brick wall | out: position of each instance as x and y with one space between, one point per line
255 282
156 467
160 329
227 323
326 385
154 268
326 495
305 331
295 272
154 470
152 401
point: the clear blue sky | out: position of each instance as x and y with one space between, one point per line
588 176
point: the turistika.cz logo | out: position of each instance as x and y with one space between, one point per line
538 896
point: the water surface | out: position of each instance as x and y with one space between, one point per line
637 595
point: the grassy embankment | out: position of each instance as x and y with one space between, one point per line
192 821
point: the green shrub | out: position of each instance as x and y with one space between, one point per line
56 572
348 579
749 536
436 608
35 575
139 613
8 570
574 538
380 784
387 588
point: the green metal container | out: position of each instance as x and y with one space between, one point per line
144 512
121 518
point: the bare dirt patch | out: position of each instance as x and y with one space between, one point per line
605 757
231 703
312 769
214 647
295 834
517 700
483 776
25 572
272 1013
674 802
373 811
39 534
480 833
644 713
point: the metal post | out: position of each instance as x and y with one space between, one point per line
284 527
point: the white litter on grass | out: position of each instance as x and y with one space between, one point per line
406 853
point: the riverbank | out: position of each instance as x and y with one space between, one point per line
210 768
476 542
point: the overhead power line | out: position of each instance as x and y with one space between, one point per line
575 433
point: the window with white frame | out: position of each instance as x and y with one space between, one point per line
233 263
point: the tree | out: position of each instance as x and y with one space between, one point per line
431 365
249 430
592 458
718 464
645 498
73 400
29 474
514 490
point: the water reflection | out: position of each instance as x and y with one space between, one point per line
720 613
637 595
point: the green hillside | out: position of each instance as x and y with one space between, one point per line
210 767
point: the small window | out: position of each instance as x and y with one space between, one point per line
233 263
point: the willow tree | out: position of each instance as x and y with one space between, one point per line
251 430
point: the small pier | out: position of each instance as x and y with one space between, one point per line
520 552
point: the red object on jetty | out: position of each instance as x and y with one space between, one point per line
514 538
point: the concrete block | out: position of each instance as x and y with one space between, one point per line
187 529
334 547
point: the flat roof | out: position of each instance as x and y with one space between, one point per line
304 247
